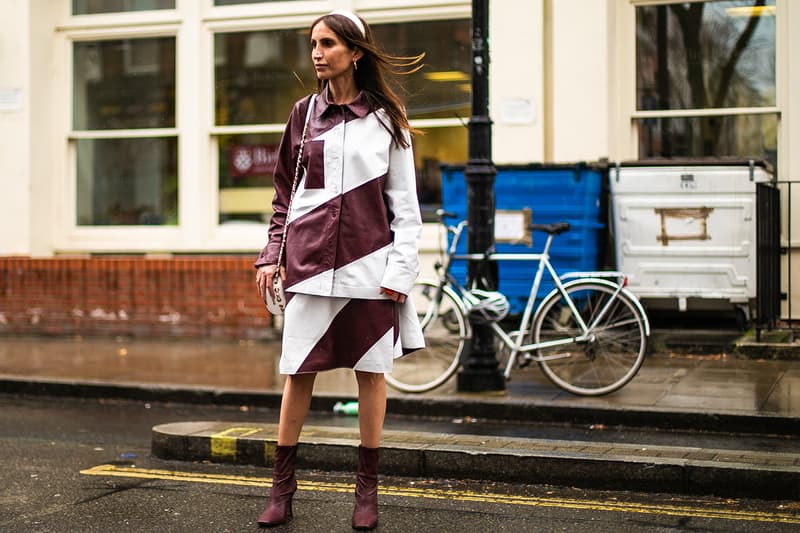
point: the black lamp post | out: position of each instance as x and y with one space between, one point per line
480 369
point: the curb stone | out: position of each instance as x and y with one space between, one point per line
684 470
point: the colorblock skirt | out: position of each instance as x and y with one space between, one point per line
323 333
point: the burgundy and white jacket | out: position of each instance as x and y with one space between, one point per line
355 220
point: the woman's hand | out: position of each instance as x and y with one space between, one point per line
398 297
264 278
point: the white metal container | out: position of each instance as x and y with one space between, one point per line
687 233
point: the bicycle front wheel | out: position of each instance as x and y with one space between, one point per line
445 329
614 350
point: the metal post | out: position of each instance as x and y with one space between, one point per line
480 371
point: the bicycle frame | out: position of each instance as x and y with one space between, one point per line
514 341
446 279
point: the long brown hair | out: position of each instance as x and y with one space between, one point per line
375 68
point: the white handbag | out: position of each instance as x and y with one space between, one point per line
275 296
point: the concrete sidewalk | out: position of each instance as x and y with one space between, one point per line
711 392
691 390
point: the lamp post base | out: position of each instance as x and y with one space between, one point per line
481 380
481 371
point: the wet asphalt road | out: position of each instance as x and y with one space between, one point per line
72 465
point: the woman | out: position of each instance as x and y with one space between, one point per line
351 246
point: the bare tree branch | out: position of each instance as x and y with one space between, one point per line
730 66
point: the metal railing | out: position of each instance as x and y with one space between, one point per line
773 245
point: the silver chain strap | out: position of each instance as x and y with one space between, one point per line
294 183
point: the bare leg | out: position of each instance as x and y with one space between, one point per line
371 407
294 407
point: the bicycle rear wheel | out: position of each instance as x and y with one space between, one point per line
612 355
445 329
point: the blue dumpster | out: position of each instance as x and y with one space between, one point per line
553 193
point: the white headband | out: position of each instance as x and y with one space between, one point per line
353 18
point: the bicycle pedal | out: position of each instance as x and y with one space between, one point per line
524 363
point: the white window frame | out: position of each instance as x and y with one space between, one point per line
69 236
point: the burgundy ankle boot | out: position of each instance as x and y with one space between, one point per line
365 514
279 507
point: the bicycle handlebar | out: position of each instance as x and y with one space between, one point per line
442 214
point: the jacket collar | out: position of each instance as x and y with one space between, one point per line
358 106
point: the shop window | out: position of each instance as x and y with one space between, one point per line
124 132
91 7
705 79
260 74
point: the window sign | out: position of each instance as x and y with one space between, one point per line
252 159
705 79
10 99
91 7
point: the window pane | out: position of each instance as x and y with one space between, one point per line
736 136
124 84
257 75
705 55
127 181
442 88
246 163
89 7
438 146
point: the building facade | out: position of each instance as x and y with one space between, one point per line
140 134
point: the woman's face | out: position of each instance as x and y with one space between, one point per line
331 55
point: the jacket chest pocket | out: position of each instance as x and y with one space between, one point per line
314 162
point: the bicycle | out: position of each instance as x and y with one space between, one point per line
588 335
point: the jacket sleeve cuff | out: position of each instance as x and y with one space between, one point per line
398 279
268 256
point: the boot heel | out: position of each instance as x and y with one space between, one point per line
279 506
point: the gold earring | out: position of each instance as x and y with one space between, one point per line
355 64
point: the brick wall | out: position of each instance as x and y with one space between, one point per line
132 296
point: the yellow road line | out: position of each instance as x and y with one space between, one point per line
445 494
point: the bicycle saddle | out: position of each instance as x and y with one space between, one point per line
557 228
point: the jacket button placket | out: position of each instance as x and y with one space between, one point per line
335 171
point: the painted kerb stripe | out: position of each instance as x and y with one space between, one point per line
223 443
